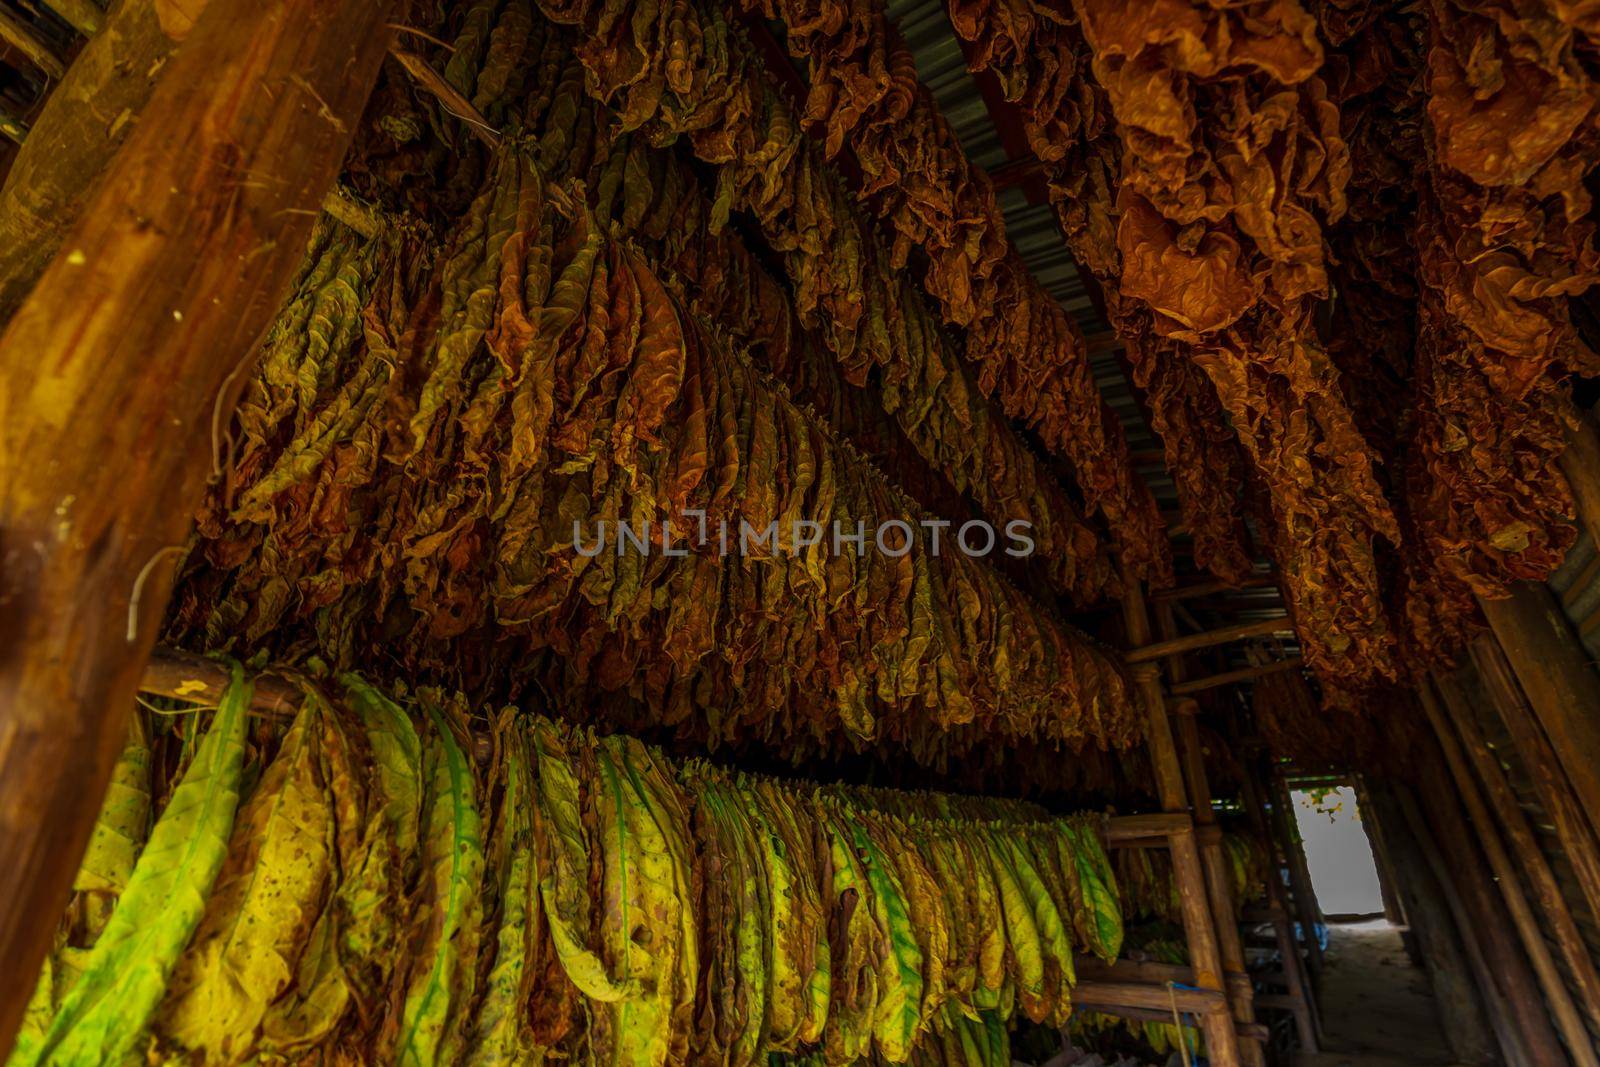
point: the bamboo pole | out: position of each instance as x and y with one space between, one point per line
117 366
1222 1041
1572 825
1466 868
1243 674
1221 636
1561 685
185 676
1556 995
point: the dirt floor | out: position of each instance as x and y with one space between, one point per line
1377 1009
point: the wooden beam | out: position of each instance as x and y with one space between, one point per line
1554 673
1243 674
1554 986
118 365
83 123
1581 464
1109 996
1211 587
84 16
21 36
1124 828
1152 972
1221 636
1561 805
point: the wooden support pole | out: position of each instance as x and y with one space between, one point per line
1095 995
1296 973
1561 804
1393 909
118 366
1223 635
1561 686
19 35
1530 858
1301 891
1581 464
1567 1018
1218 870
1205 956
1243 674
1464 870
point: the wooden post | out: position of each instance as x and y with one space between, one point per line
117 368
1561 685
1551 982
1294 967
1581 464
1470 1007
1305 896
1561 804
1205 956
1393 909
1218 871
1464 871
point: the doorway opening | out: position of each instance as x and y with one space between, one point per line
1344 871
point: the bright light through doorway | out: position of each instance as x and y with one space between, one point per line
1343 872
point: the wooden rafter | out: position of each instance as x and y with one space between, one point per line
127 353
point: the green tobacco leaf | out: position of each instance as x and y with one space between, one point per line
564 889
443 949
103 1018
261 910
120 831
898 1017
500 1034
1100 898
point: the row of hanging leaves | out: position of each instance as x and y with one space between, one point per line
1425 168
417 449
406 882
920 414
684 71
